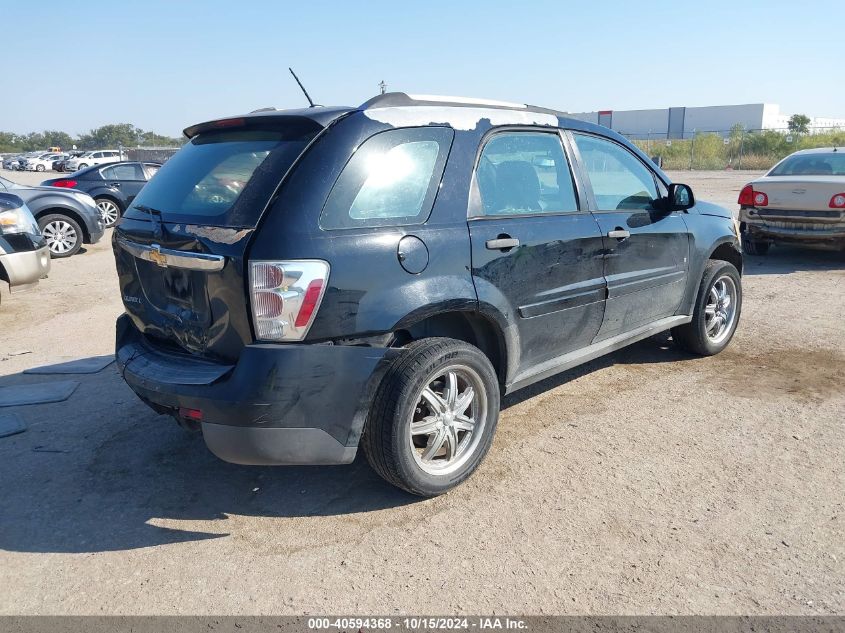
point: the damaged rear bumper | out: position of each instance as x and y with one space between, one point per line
278 405
807 227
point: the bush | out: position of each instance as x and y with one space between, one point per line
755 150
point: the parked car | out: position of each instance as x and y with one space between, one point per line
87 159
297 293
67 218
113 187
10 163
42 162
801 200
60 164
24 255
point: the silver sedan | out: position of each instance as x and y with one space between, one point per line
800 200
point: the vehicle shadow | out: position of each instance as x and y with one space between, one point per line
98 471
784 259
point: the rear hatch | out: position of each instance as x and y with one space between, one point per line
181 247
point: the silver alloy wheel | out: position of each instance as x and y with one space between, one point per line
60 235
448 420
720 309
109 210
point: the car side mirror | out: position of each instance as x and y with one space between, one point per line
680 197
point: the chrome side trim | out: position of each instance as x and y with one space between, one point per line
166 257
581 356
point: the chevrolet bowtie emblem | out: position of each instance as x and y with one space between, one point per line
157 256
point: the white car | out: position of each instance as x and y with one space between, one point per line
93 158
42 162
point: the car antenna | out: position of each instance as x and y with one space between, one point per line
304 91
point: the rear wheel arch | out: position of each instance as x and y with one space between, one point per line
469 327
97 195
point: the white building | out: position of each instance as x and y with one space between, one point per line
683 122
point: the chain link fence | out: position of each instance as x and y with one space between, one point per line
736 148
149 154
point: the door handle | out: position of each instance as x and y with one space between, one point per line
619 233
116 185
501 243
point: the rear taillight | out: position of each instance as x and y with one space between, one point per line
838 201
285 297
70 184
750 198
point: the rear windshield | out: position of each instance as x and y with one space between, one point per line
811 165
222 178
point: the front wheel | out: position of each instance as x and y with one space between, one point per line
81 166
63 235
433 417
716 314
39 168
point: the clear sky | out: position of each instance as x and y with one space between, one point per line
162 65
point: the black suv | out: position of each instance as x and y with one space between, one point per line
301 283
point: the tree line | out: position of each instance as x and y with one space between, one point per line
109 136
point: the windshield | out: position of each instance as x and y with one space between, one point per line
224 178
832 164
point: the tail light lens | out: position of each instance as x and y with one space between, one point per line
838 201
750 198
70 184
286 297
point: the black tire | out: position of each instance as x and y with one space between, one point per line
387 439
39 168
754 247
693 336
82 166
56 224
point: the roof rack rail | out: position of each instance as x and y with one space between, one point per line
403 99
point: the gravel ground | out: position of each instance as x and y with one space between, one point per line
646 482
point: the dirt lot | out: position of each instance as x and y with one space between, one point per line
645 482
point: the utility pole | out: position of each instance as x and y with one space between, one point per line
382 87
692 150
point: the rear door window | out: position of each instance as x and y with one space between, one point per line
223 178
391 180
130 171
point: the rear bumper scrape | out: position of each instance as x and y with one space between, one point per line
278 405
